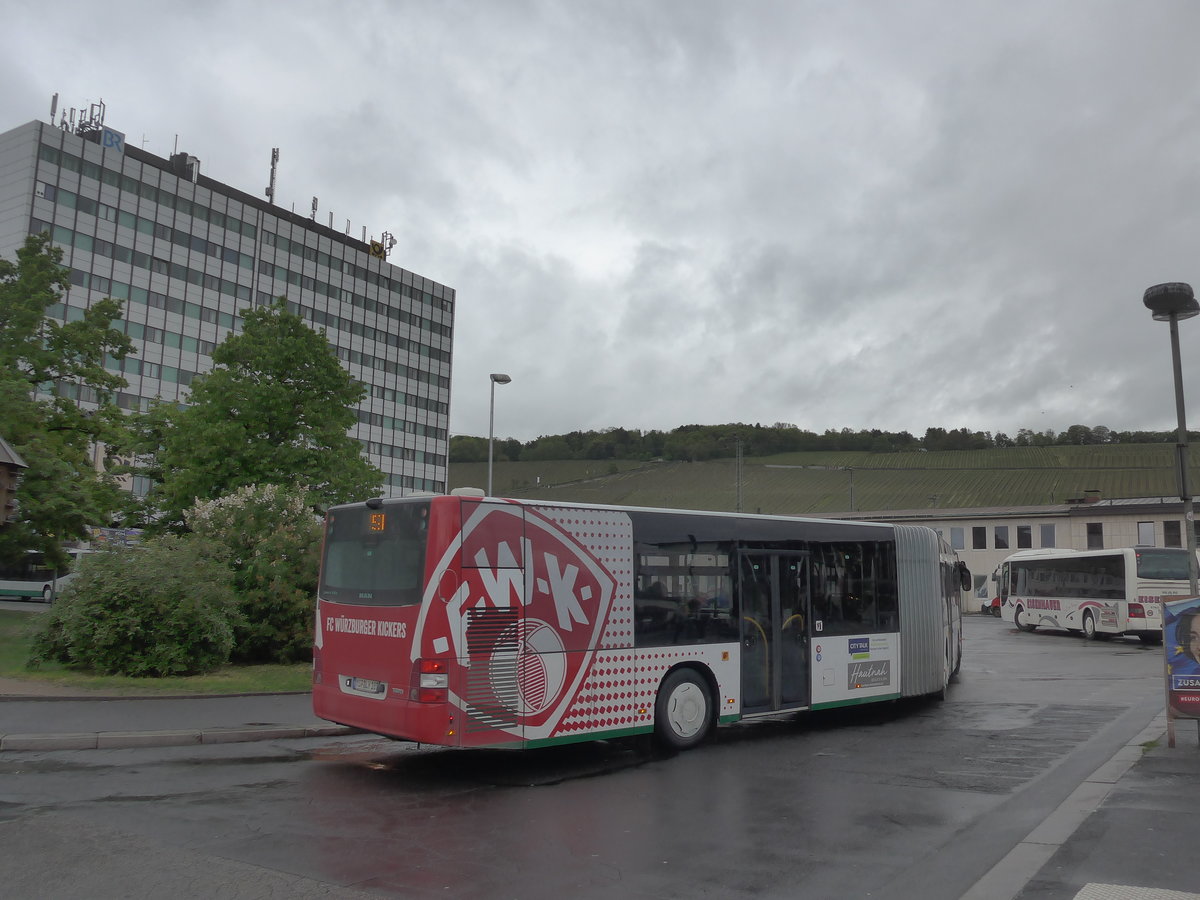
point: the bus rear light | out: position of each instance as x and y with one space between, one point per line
433 681
1137 611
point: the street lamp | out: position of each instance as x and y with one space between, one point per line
1169 303
497 378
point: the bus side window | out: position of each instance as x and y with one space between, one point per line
682 595
854 588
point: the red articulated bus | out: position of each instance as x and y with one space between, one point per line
466 621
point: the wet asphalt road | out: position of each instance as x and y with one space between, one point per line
914 800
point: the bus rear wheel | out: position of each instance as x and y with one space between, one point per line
1089 626
683 710
1019 620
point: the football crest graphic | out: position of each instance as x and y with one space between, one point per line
537 655
520 619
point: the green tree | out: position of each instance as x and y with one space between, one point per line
466 448
275 409
509 448
43 364
546 448
1077 434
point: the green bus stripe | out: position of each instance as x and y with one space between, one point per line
856 701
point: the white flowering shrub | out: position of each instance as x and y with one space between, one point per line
270 539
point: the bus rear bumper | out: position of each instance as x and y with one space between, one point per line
392 717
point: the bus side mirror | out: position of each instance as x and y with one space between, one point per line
964 577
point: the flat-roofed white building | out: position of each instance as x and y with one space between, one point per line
984 536
187 254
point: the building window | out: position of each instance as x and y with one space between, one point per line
1146 534
1046 534
1001 537
1172 533
979 537
1095 535
1024 537
958 538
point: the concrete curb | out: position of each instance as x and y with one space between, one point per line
1009 876
118 740
32 695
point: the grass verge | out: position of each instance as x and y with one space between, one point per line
16 629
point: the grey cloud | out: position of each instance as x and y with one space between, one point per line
839 215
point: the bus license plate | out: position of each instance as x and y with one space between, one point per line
367 685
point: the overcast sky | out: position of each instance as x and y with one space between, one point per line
885 215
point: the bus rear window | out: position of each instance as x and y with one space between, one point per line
1167 563
375 557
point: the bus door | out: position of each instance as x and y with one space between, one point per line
774 591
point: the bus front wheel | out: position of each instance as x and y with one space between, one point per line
683 710
1089 626
1019 620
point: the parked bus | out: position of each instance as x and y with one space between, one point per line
33 579
472 622
1094 592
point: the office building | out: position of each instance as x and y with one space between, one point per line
187 254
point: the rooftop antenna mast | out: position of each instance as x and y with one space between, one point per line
79 121
274 167
93 121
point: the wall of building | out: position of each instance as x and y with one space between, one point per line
18 152
187 254
1121 523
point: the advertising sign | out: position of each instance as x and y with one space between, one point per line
1181 643
851 668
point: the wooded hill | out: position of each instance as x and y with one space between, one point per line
822 481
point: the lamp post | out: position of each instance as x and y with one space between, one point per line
497 378
1169 303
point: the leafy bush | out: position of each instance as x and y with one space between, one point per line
270 540
160 609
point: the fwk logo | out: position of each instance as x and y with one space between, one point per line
525 606
860 648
